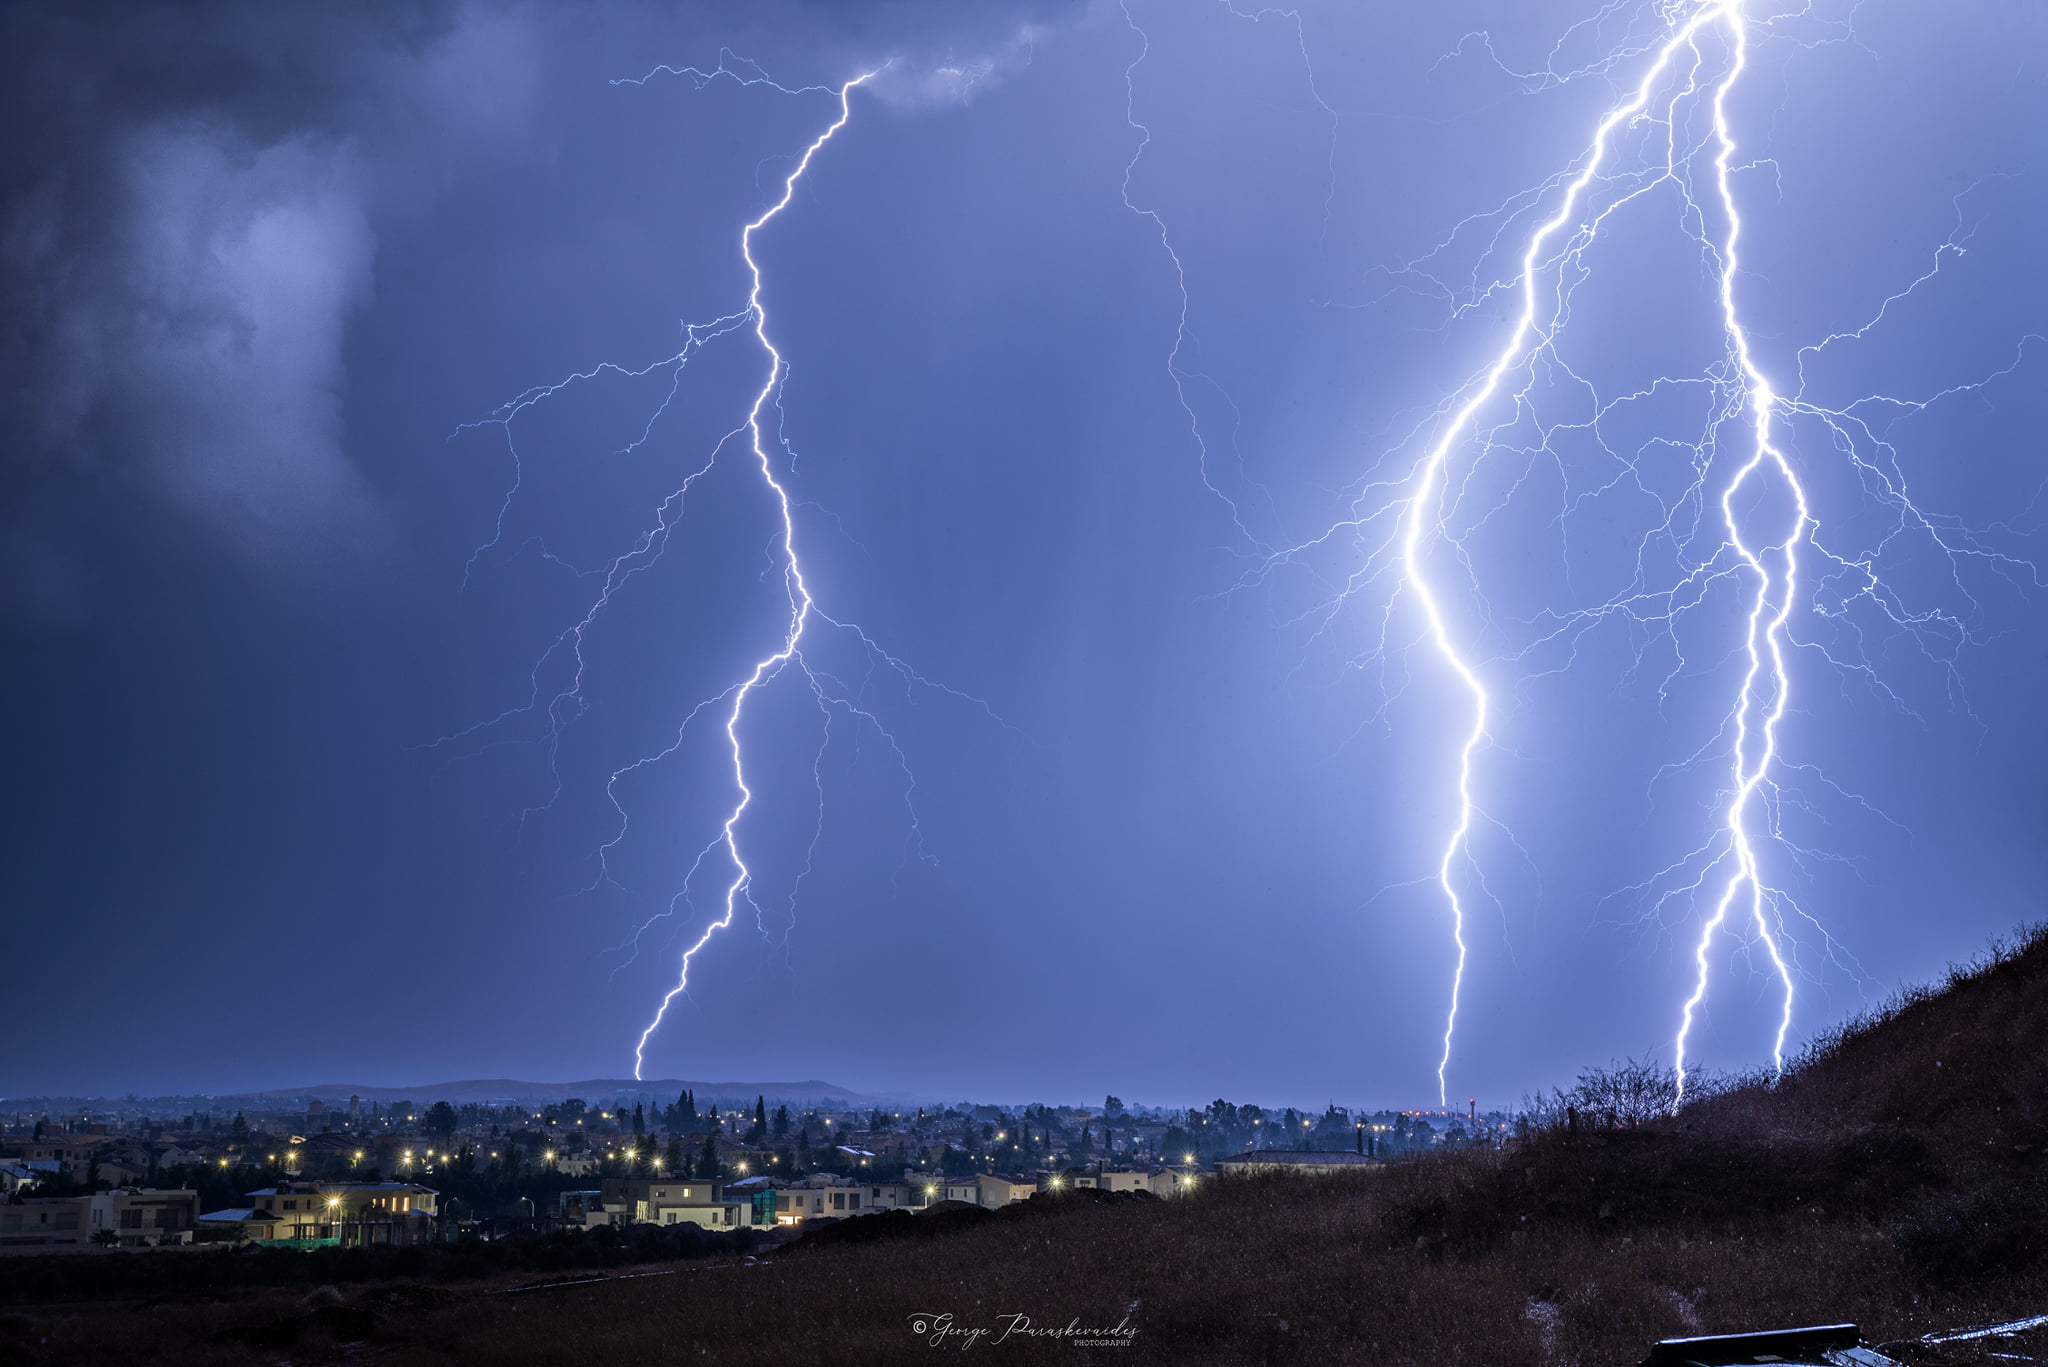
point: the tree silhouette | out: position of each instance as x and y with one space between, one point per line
441 1119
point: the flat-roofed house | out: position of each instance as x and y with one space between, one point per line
132 1217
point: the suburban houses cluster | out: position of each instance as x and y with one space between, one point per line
339 1171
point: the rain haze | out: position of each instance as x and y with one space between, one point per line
370 666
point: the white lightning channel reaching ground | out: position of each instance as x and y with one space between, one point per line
1426 504
1765 629
800 605
831 696
1740 525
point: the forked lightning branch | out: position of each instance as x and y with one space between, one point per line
1741 534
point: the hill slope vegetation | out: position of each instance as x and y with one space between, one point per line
1894 1178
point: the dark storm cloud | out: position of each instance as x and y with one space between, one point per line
190 201
186 231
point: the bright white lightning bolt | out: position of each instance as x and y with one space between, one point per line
567 650
1765 627
1762 564
1426 504
1717 530
793 575
1764 634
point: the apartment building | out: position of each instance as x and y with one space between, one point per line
684 1201
128 1218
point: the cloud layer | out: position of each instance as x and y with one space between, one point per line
189 219
189 226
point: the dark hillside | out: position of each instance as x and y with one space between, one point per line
1868 1186
1928 1118
1962 1064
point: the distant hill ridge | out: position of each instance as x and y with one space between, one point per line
661 1090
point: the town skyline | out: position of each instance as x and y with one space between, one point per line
500 1092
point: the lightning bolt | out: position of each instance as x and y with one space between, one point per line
1176 368
1766 690
804 616
799 592
1743 523
1426 505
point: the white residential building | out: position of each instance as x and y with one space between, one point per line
130 1218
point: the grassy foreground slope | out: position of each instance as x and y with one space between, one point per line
1894 1178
